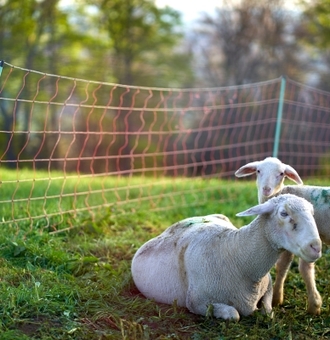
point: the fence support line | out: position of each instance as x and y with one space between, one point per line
279 117
1 66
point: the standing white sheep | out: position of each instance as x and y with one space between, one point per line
205 261
268 175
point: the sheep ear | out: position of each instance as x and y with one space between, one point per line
259 209
292 174
247 169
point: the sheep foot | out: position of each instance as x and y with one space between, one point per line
226 312
314 304
196 304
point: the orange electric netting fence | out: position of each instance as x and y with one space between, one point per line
70 147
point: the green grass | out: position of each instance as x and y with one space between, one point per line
77 284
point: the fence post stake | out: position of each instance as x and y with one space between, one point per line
279 117
1 66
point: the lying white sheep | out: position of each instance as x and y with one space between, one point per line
205 263
269 173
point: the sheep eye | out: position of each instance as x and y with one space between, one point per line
258 171
284 214
282 174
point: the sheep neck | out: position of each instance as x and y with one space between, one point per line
257 253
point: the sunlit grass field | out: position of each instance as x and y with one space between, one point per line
76 283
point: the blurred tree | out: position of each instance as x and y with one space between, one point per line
113 41
316 16
33 32
247 41
34 35
314 32
147 46
244 42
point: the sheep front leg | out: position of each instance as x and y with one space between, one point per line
307 271
282 268
196 304
266 300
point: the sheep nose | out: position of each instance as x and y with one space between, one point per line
316 246
266 190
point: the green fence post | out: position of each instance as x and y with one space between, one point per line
1 66
279 117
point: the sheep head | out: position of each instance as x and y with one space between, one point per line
291 225
270 173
